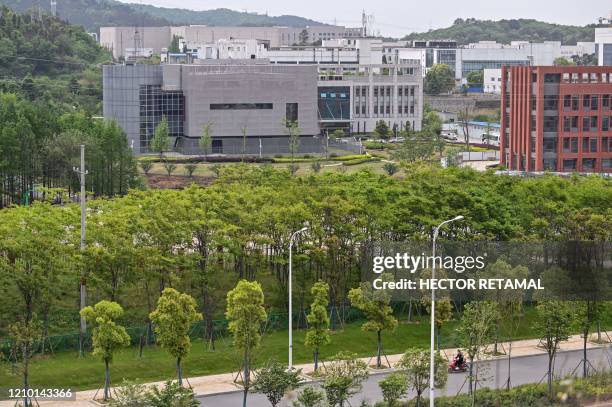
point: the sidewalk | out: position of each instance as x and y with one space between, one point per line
223 383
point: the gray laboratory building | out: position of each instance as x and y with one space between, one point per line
238 99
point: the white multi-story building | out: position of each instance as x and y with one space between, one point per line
492 81
603 44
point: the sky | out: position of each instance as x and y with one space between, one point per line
400 17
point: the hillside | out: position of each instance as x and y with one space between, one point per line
222 16
504 31
93 14
49 59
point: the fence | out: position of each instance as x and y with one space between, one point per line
480 156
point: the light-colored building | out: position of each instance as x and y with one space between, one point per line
118 39
492 81
603 44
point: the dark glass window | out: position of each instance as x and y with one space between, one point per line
594 102
569 165
586 101
241 106
291 113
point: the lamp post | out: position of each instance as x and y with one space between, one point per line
290 316
433 303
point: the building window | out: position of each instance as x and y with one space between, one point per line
586 123
567 123
567 102
594 102
605 102
574 123
606 163
575 103
586 102
291 113
549 164
550 145
593 123
569 165
570 145
241 106
605 123
551 102
588 164
550 123
605 144
593 145
589 145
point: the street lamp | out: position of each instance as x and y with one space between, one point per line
290 301
433 303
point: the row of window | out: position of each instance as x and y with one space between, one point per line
588 164
573 123
361 110
589 102
589 145
584 77
384 90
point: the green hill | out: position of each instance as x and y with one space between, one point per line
504 31
93 14
222 17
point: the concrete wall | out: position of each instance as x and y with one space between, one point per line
117 39
603 40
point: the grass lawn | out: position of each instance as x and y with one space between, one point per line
65 369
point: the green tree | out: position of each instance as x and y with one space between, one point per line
245 313
171 395
391 168
475 79
169 167
107 336
393 387
190 169
382 130
415 364
24 335
562 61
439 79
146 166
293 131
318 320
476 330
161 138
316 166
375 305
344 376
274 381
310 397
205 142
303 37
173 318
174 44
553 323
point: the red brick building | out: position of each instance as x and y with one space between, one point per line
556 118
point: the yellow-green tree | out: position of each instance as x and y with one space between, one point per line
245 313
173 318
318 320
108 336
375 305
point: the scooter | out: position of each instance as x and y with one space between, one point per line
454 367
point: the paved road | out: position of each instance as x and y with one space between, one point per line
526 369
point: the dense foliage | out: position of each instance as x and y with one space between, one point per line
469 30
45 59
39 146
202 240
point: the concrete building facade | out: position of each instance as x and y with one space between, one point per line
492 81
603 43
556 118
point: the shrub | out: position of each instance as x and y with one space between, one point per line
293 168
146 166
274 380
216 169
171 395
310 397
129 394
316 166
391 168
393 388
169 167
190 169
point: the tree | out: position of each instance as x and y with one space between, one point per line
169 167
391 168
310 397
108 336
415 364
24 335
475 79
146 166
475 332
172 394
174 44
382 130
444 313
375 305
316 166
274 380
303 37
318 320
562 61
393 387
245 313
333 136
554 321
464 116
419 146
205 142
439 79
293 131
190 169
343 378
161 138
173 318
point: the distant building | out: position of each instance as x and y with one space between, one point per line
603 44
492 81
557 118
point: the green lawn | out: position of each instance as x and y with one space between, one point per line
65 369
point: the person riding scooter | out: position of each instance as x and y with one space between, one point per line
458 363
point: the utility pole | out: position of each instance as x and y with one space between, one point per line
83 288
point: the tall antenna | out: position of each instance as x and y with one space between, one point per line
364 23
